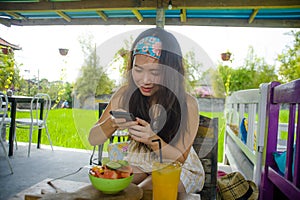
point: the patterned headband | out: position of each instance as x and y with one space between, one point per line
150 46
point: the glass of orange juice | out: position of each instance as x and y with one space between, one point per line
165 180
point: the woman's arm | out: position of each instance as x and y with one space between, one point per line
107 125
103 129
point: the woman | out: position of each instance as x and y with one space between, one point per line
155 94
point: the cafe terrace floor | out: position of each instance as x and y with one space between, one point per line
43 163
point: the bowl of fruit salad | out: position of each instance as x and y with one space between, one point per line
112 177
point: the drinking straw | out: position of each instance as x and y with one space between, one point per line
159 146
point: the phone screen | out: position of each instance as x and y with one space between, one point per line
120 114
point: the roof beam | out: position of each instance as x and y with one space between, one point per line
150 4
137 15
183 15
238 4
168 21
19 9
63 15
102 15
15 15
5 22
253 15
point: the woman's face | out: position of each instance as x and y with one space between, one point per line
146 73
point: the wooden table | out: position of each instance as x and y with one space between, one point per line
71 187
14 100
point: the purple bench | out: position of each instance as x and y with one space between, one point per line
274 185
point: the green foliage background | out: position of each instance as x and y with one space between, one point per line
93 80
9 72
290 60
254 72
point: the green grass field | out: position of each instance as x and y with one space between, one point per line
221 131
70 128
67 127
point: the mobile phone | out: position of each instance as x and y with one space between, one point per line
121 114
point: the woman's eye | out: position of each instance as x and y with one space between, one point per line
155 73
138 69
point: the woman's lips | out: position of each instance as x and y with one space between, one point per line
146 90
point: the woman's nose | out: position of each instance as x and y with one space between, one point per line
147 78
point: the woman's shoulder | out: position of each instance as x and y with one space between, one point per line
119 92
116 97
192 106
191 100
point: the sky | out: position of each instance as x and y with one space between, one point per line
40 56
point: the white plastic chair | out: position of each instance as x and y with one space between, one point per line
34 122
4 121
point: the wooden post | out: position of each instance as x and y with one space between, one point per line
160 17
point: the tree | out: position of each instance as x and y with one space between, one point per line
68 93
290 60
249 76
260 71
193 72
122 56
24 87
93 80
57 90
9 73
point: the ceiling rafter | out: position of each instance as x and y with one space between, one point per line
16 15
171 22
5 22
253 15
64 15
102 15
151 4
183 15
137 14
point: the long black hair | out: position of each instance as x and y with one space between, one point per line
171 96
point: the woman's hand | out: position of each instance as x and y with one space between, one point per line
121 123
142 132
